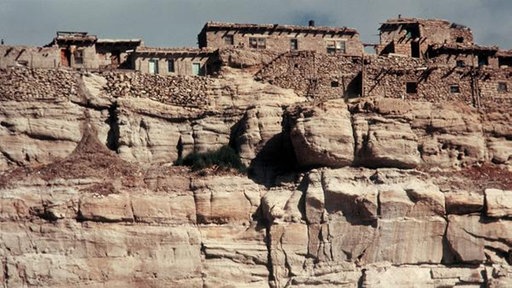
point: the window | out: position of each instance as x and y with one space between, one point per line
335 84
483 60
79 56
153 66
229 40
454 88
294 44
257 42
502 87
459 40
170 65
411 87
461 63
335 46
196 69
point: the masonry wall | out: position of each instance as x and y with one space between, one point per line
36 57
388 77
186 91
104 58
182 65
479 87
22 84
280 41
315 75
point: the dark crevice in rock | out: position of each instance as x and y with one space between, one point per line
113 123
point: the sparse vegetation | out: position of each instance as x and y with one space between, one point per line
225 157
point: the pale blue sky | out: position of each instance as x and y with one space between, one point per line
177 22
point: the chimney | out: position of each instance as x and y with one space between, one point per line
311 23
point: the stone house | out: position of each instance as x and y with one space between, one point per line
281 38
175 61
413 36
81 50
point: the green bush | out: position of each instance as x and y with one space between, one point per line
225 157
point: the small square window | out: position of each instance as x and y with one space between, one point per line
454 88
257 42
229 40
294 45
411 87
502 87
335 84
461 63
459 40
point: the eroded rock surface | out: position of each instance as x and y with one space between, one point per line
402 194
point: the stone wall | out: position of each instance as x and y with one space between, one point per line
37 84
25 56
187 91
436 81
318 76
280 41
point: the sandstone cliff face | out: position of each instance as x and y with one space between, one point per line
371 193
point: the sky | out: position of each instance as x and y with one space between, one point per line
176 23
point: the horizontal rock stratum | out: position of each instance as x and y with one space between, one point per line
366 192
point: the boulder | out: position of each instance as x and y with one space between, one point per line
322 135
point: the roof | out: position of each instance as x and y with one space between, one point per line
408 21
213 26
173 51
459 47
504 53
65 36
118 41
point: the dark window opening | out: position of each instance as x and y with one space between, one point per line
335 84
229 40
170 65
257 42
412 32
415 49
461 63
296 65
483 60
459 40
502 87
505 61
411 87
454 89
294 45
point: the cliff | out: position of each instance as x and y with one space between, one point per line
371 192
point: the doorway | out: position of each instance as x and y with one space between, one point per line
153 66
65 57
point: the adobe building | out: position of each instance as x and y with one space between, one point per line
81 50
413 36
281 38
175 61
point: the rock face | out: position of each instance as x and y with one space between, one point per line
372 192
